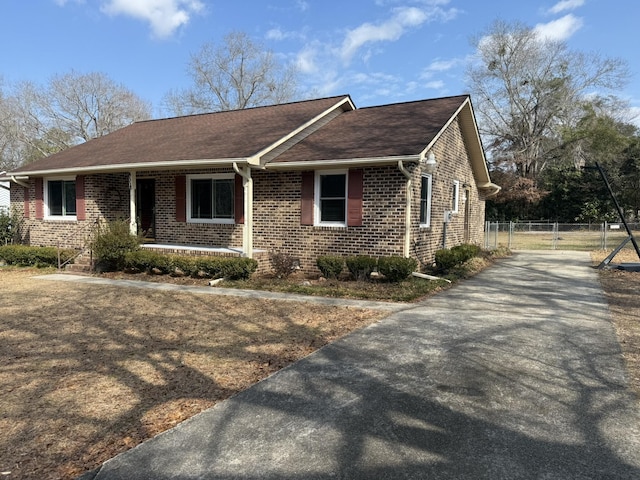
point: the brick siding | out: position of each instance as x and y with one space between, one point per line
277 226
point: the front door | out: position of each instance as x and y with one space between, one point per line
146 207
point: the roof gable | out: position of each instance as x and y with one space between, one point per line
396 130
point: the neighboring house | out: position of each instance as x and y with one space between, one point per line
306 178
4 196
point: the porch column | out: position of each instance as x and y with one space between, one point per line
247 229
133 223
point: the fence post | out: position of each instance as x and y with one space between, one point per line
486 235
554 241
603 237
510 242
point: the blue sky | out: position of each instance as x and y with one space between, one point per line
379 51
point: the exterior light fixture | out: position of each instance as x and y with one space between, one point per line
430 165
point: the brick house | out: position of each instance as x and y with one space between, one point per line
305 178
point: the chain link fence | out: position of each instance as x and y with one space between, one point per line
557 236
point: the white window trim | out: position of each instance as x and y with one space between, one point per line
456 196
316 201
212 176
45 200
430 184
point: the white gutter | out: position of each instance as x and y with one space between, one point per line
20 182
407 211
345 162
247 230
127 167
490 186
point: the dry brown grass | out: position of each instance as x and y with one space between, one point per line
87 372
622 289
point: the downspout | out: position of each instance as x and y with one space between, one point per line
407 211
133 223
19 182
247 233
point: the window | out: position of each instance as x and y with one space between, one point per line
211 198
60 199
331 198
455 196
425 201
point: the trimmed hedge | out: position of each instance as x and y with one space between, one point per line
233 268
361 266
26 256
330 265
396 268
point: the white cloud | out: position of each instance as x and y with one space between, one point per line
164 16
559 29
390 30
435 85
565 5
303 5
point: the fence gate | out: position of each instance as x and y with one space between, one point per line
555 236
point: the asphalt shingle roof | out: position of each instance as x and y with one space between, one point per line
394 130
384 131
221 135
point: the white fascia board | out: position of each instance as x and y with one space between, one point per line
348 162
424 152
126 167
255 159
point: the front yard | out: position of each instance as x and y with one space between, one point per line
87 372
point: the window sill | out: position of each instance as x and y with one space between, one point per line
61 219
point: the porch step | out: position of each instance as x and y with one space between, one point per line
82 264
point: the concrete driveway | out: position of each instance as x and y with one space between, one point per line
514 374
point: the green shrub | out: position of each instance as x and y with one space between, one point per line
233 268
395 268
111 243
361 266
446 259
26 256
185 264
9 226
146 260
283 264
330 265
467 251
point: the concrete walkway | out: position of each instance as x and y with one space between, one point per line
514 374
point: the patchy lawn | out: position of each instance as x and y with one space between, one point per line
622 289
86 372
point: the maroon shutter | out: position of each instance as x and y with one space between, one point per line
181 198
306 199
238 200
39 199
26 202
354 202
80 203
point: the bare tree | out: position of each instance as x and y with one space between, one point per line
36 121
527 89
237 74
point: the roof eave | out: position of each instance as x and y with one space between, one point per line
127 167
342 162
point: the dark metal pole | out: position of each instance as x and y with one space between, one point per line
621 214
